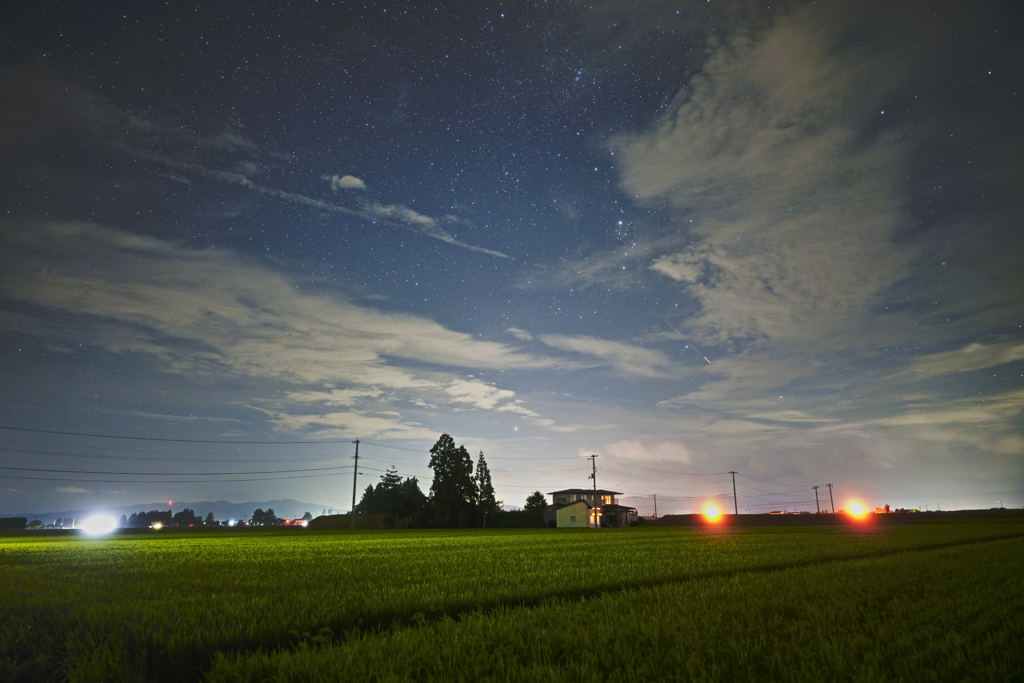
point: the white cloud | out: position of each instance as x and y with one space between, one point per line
793 208
477 393
629 360
210 311
345 182
352 424
71 489
798 416
660 451
402 213
685 267
521 335
971 357
334 397
486 397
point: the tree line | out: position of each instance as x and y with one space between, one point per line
461 495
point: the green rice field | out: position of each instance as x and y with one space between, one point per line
922 602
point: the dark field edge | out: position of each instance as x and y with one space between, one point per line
343 632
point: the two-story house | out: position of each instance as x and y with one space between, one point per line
575 508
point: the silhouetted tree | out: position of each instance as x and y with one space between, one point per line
261 518
452 491
367 505
412 508
209 518
307 516
484 491
185 517
123 522
536 501
146 519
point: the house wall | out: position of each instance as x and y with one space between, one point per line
580 511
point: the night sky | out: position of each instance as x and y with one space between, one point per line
690 237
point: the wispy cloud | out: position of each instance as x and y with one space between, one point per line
484 396
971 357
215 312
41 100
793 208
659 451
627 359
345 182
393 215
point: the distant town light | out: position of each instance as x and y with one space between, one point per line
98 525
156 525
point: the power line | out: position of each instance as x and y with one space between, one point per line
150 438
133 449
97 456
168 481
172 474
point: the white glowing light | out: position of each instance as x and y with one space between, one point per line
98 525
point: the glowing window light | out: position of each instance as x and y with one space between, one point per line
98 525
712 512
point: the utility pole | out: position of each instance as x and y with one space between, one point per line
655 507
833 501
593 475
816 499
355 474
735 505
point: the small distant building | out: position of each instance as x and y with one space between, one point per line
574 508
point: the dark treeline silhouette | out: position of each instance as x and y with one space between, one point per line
145 519
461 496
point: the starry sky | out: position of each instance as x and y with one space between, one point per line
697 237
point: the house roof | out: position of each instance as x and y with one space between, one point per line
600 492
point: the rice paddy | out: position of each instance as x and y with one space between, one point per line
796 603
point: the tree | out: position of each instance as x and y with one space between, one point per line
209 518
261 518
123 522
306 517
368 503
484 498
412 509
452 491
536 501
185 518
389 495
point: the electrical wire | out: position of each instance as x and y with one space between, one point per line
66 454
173 474
134 449
150 438
169 481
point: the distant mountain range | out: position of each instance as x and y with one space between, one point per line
221 509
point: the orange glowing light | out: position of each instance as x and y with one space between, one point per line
857 510
712 512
